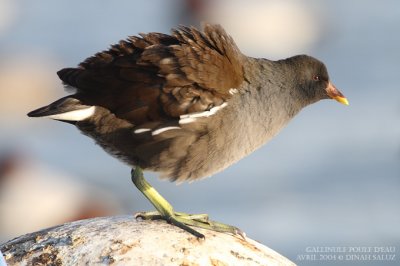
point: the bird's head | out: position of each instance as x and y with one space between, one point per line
313 80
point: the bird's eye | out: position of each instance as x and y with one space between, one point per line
315 78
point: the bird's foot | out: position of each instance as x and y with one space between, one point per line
155 215
166 212
184 221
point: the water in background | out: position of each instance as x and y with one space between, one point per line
331 178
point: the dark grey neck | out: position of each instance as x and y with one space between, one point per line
275 81
266 104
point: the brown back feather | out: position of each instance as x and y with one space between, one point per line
158 77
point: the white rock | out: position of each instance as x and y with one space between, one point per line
122 240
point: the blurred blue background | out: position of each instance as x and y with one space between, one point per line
331 178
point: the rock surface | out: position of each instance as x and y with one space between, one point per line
121 240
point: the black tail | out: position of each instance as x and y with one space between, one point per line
68 109
63 105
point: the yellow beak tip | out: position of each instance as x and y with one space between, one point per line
342 100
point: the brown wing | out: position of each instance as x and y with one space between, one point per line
158 77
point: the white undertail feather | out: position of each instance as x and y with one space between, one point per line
76 115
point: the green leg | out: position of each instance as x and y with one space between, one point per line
165 211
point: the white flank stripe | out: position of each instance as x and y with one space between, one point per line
141 130
76 115
233 91
205 113
185 119
161 130
166 61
